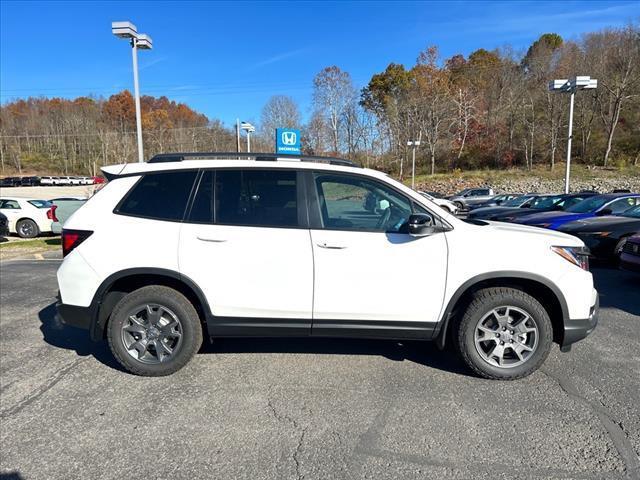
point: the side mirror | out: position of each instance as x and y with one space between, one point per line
525 205
558 208
603 212
498 202
421 225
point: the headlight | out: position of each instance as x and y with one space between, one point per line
542 225
579 256
596 234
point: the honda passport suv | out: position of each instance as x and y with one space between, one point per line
193 246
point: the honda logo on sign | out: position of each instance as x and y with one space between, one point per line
289 138
288 141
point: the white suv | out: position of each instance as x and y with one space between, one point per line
214 245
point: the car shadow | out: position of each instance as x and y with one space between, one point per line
70 338
420 352
617 289
424 353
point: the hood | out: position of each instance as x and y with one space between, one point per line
552 237
595 224
487 211
552 217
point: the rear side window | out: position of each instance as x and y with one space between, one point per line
162 196
202 208
41 203
265 198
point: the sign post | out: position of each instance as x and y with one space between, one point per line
288 141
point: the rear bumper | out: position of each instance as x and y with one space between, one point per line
576 330
75 316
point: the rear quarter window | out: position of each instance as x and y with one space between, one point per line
161 196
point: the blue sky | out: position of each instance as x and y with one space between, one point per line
225 59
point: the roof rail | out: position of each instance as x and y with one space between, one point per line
269 157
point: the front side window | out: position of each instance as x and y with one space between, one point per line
623 204
354 203
9 204
265 198
161 196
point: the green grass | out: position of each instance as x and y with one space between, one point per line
35 244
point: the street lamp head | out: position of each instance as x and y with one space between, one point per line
144 42
559 85
247 127
124 29
581 82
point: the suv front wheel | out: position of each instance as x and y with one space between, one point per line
154 331
505 334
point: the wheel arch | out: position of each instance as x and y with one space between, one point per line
541 288
120 283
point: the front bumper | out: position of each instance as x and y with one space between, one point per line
576 330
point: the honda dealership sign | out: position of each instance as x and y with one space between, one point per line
287 141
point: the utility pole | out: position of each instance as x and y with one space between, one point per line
413 144
237 135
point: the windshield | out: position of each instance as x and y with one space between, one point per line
40 203
633 212
516 202
589 205
545 202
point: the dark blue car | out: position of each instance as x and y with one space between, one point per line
609 204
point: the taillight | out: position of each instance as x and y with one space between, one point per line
72 238
51 213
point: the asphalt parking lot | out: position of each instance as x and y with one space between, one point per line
311 408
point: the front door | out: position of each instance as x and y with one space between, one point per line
245 245
371 277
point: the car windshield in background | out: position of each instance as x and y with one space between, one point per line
633 212
545 202
41 203
589 205
516 202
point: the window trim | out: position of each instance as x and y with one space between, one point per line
315 212
195 182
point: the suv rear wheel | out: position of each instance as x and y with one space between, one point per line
505 334
154 331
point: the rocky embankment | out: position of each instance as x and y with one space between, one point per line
525 185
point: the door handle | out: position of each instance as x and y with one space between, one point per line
212 240
330 247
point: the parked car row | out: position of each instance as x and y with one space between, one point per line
30 217
604 222
49 180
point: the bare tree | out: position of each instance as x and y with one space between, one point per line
333 93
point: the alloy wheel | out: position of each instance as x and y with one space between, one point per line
506 337
152 333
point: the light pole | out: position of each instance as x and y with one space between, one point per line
138 41
247 127
414 144
583 82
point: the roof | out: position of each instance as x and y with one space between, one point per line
179 157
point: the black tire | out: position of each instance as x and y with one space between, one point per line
485 301
191 330
460 205
27 228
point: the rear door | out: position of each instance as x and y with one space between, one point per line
246 244
371 277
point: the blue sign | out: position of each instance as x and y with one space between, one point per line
288 141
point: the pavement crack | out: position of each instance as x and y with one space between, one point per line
284 418
614 428
297 451
38 392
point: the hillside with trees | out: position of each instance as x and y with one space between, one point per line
488 110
